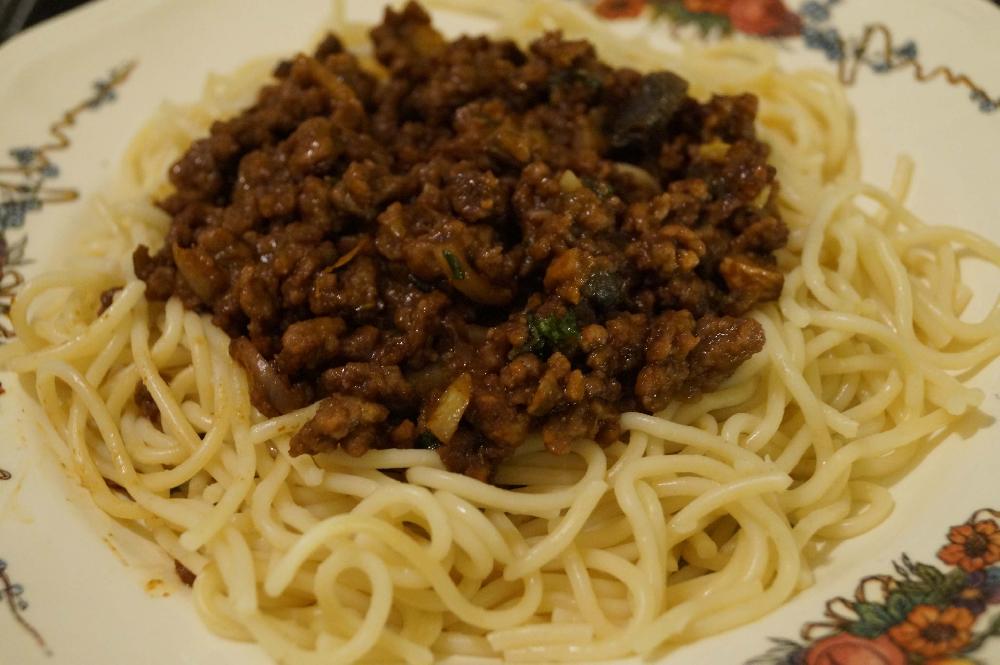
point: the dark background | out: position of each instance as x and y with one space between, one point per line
16 15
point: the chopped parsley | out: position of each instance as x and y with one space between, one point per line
457 272
426 441
567 77
603 190
548 334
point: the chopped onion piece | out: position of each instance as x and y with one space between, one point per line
449 410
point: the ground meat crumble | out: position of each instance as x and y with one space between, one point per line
576 240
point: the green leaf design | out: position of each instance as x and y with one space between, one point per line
916 592
873 620
950 584
923 583
899 604
675 11
929 574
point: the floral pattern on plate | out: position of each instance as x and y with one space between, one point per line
34 172
12 595
766 18
876 49
921 615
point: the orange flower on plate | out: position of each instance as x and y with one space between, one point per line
929 631
708 6
847 648
620 8
766 18
973 546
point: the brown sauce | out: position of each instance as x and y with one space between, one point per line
476 243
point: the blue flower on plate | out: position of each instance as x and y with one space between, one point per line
881 66
986 105
14 593
104 89
12 212
11 592
814 11
824 39
982 588
907 50
23 155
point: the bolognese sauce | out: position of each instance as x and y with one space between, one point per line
474 243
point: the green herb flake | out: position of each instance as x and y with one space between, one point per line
457 271
603 190
548 334
577 75
426 441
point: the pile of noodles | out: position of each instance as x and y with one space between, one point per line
707 518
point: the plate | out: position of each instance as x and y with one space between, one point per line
924 81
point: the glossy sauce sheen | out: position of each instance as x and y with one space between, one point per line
506 241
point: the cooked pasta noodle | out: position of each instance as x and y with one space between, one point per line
707 518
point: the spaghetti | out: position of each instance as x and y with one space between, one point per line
707 518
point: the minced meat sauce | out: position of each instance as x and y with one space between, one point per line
474 243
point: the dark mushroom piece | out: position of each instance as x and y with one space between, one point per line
648 111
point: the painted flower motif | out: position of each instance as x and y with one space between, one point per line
922 615
12 213
986 105
982 588
23 155
973 546
930 631
10 592
708 6
11 253
814 11
826 40
104 91
766 18
620 8
907 51
847 648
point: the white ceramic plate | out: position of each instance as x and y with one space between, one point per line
72 592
